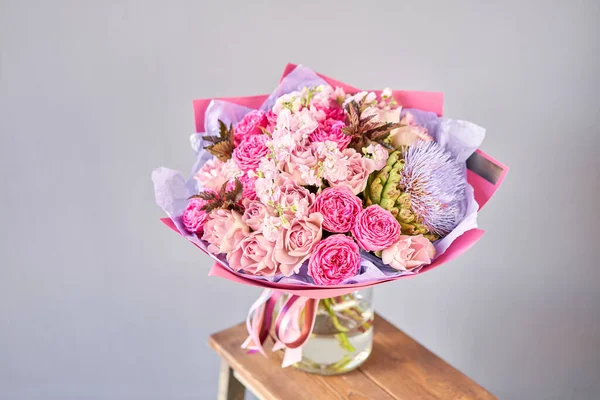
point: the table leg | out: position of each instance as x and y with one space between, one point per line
229 387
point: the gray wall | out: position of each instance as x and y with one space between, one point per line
99 301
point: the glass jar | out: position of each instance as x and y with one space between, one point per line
342 337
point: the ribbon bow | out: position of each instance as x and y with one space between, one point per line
288 333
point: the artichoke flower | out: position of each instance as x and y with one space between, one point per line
423 187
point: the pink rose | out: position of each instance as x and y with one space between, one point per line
255 213
248 153
331 130
334 260
359 168
249 185
253 255
299 156
250 125
376 229
339 207
271 118
408 253
296 243
193 217
224 230
409 133
294 200
336 113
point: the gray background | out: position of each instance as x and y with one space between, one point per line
99 301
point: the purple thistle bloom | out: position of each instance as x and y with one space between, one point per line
436 184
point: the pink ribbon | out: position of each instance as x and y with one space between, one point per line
288 332
259 321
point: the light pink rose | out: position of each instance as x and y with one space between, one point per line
359 168
296 243
249 152
375 229
409 133
224 230
193 217
378 154
300 155
250 125
339 207
408 253
255 213
253 255
294 200
334 260
214 173
331 130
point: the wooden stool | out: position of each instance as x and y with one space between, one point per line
398 368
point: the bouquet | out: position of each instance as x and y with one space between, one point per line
319 189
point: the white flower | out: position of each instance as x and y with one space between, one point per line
291 101
306 123
338 95
385 93
335 169
332 163
319 115
285 122
369 97
270 228
370 111
282 144
266 190
300 124
309 175
321 96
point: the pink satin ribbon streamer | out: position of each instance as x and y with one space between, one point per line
259 321
288 332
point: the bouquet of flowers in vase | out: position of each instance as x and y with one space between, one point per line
319 189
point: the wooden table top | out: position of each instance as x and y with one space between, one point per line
398 368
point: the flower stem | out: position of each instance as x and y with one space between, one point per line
341 336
